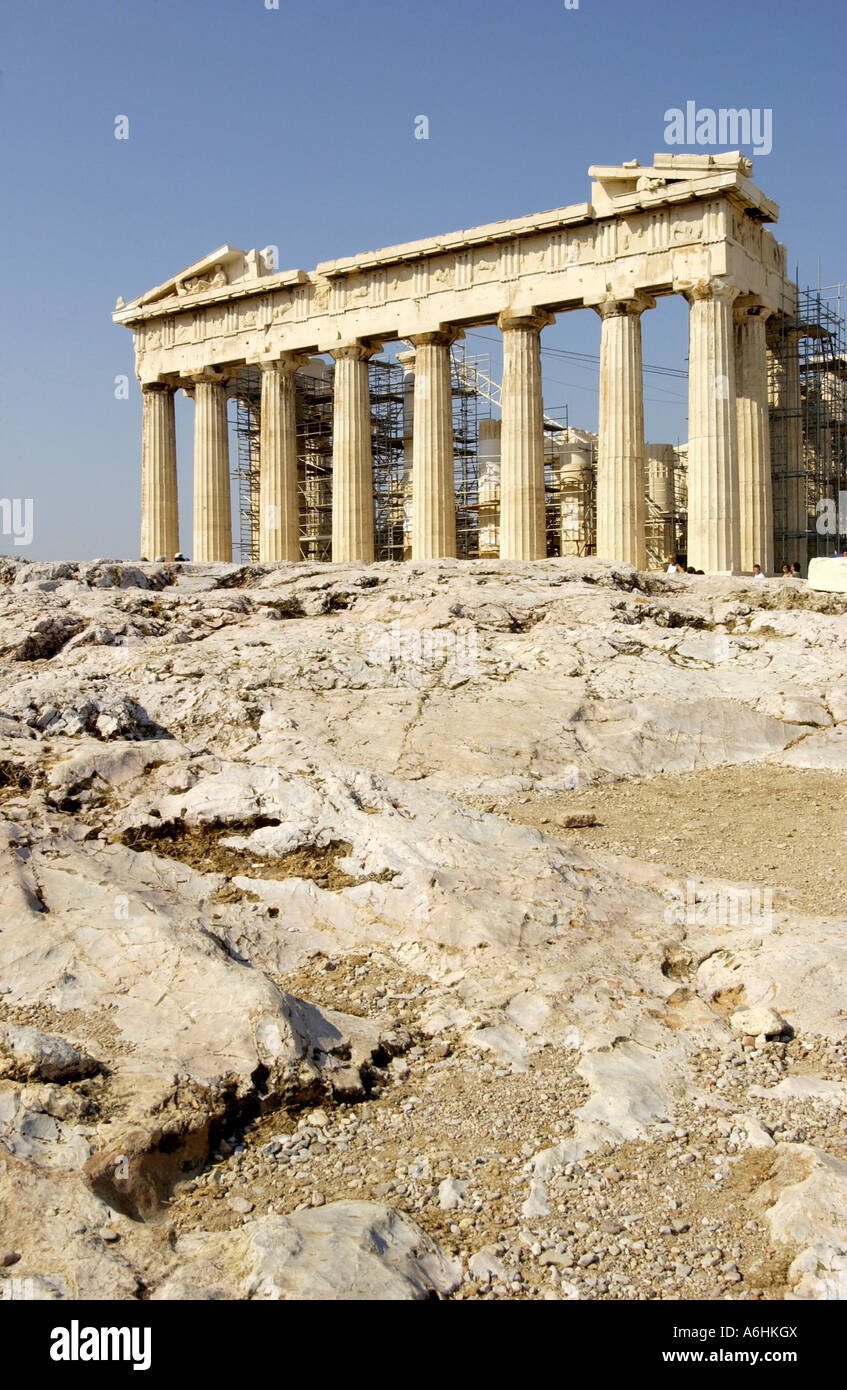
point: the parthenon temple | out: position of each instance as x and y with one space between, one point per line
683 225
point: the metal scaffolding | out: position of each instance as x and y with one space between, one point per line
391 475
313 396
807 367
247 400
472 400
556 490
474 392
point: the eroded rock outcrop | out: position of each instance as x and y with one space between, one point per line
220 776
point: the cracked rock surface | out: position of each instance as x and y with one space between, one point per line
342 955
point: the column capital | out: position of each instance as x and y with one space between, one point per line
615 306
207 376
356 352
152 386
442 337
282 362
532 318
717 287
407 359
748 306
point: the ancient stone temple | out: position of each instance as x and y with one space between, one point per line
691 225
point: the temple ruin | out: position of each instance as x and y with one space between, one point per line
233 326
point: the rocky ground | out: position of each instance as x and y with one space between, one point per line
402 931
756 823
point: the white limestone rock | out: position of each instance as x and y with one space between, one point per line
758 1021
485 1266
27 1054
828 574
28 1132
805 1203
826 750
344 1251
836 699
804 1087
506 1042
451 1193
347 734
756 1134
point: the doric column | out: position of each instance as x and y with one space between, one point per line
621 501
212 512
159 503
788 469
713 543
279 500
574 492
488 486
433 488
755 502
352 459
522 515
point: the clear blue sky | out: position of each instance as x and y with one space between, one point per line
295 126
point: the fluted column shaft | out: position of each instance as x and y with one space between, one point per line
621 501
433 488
212 511
713 536
522 515
755 501
279 501
159 501
352 458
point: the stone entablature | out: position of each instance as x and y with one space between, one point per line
704 220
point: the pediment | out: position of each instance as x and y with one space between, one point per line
227 265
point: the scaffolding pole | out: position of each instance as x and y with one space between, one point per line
474 393
247 399
807 387
391 480
468 373
313 405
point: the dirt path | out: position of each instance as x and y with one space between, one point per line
776 827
